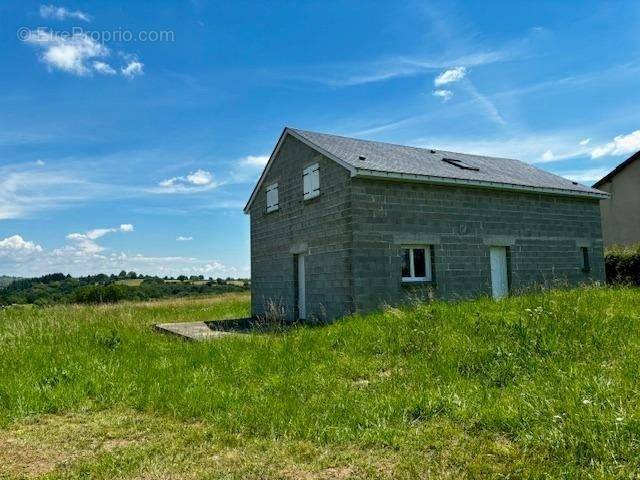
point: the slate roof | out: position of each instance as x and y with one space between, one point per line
401 162
401 159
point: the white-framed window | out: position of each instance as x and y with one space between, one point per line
272 198
311 181
416 263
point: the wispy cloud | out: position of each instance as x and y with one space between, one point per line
443 94
103 68
621 145
392 67
85 242
587 176
538 147
61 13
24 192
182 238
555 86
255 160
247 169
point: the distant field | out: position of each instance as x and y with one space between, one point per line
132 282
539 386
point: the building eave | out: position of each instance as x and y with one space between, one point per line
410 177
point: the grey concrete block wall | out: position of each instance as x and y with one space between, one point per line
319 227
353 232
544 235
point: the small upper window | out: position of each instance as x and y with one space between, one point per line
272 198
416 264
586 266
311 181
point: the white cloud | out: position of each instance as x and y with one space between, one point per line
17 247
444 94
184 239
200 177
255 160
199 180
103 68
621 145
450 76
70 54
40 163
548 156
79 54
585 142
61 13
133 69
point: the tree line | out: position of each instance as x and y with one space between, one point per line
101 288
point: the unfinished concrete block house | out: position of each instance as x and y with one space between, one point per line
341 225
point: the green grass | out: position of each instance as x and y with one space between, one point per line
538 386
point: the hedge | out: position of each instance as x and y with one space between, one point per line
622 264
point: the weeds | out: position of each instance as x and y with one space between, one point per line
540 385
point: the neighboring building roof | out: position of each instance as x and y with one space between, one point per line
618 169
365 158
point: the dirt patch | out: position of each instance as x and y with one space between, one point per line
41 445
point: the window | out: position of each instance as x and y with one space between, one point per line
272 198
311 181
586 267
416 264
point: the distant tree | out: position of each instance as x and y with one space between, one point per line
132 275
122 274
183 278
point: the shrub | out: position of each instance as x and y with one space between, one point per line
102 294
622 264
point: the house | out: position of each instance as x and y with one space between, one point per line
341 225
621 212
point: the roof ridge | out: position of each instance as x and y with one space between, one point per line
301 131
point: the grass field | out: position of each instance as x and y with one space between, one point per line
539 386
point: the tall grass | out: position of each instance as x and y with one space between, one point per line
552 376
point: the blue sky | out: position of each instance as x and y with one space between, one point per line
124 151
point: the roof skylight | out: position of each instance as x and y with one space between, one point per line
460 164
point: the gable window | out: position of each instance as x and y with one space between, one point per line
416 264
586 266
272 198
311 181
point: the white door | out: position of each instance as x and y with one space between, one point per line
499 276
302 305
